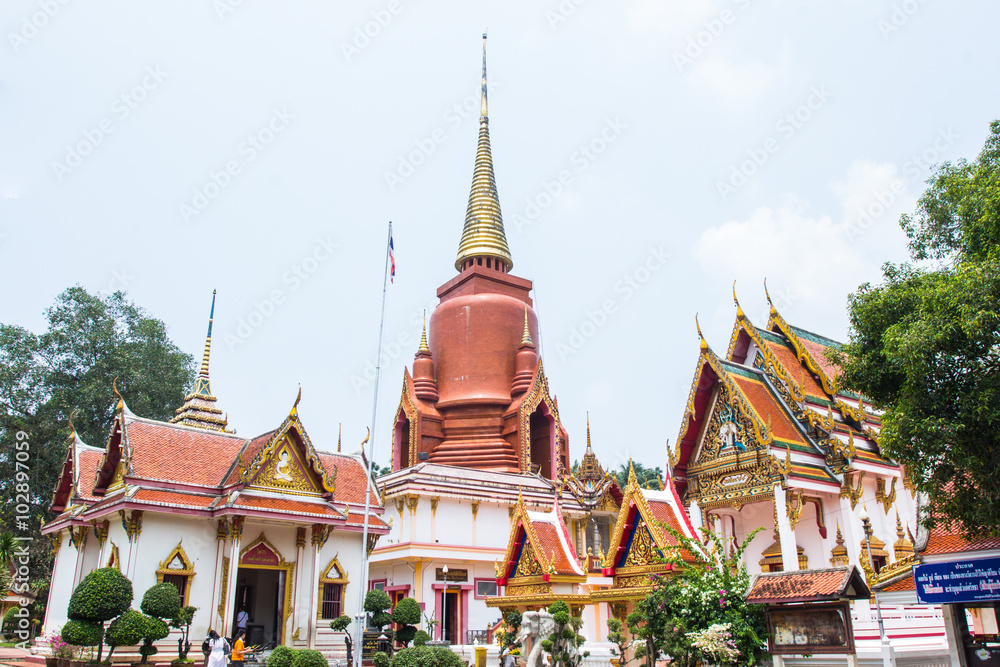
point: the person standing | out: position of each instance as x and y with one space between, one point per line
241 622
218 649
238 647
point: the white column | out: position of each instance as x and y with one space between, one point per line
789 552
297 598
697 518
234 565
215 619
853 533
313 594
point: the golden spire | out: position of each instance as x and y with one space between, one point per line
483 234
423 336
588 430
340 430
295 406
739 310
526 336
704 343
199 406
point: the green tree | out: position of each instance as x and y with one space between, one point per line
182 621
377 603
407 615
507 635
564 643
924 345
89 340
617 636
647 477
161 601
695 597
126 630
101 596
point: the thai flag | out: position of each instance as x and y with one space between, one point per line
392 260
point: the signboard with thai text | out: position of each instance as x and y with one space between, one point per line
260 556
453 575
958 581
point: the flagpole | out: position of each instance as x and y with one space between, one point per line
363 584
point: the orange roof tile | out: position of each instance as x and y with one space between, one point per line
548 536
808 585
374 521
277 504
173 498
252 449
818 353
946 540
903 585
351 479
786 357
763 402
180 453
89 460
662 511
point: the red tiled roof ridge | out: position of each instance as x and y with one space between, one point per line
132 417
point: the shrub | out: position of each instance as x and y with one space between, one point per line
426 656
377 603
82 633
309 658
182 621
421 638
126 630
155 630
281 656
381 659
102 595
340 624
407 611
161 601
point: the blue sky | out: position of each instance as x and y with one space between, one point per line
647 155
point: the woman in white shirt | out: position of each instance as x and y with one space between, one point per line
219 648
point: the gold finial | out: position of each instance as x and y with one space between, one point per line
588 430
526 336
739 311
632 481
774 311
340 431
704 343
208 340
363 442
114 388
295 406
423 336
483 235
482 112
72 429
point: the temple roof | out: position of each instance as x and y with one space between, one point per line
177 468
483 234
551 549
840 583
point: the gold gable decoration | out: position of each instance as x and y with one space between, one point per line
838 554
776 320
249 471
169 565
536 395
284 471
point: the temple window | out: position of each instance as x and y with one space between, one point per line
333 600
180 582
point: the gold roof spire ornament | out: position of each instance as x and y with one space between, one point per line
704 343
423 336
483 234
773 310
340 430
739 310
526 336
199 408
295 406
588 431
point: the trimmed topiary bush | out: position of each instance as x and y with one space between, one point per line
341 624
126 630
156 629
426 656
407 614
161 601
377 603
309 658
381 659
281 656
421 638
82 633
102 595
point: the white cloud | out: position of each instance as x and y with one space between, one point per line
736 83
674 18
811 256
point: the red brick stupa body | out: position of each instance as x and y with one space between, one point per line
478 396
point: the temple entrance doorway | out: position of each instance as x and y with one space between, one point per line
452 619
261 593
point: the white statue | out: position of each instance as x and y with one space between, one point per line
536 627
284 468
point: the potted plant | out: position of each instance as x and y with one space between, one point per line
182 621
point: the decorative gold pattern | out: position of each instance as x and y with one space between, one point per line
101 529
222 529
528 565
793 507
300 537
475 509
177 562
78 536
411 504
320 534
887 499
249 471
132 523
838 554
775 320
408 407
538 394
225 587
903 546
237 527
283 471
287 567
642 552
849 491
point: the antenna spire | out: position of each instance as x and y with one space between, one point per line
483 113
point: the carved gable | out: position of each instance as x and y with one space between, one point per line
285 470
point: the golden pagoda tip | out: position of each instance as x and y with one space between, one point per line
704 343
770 303
423 336
340 432
295 406
483 112
588 430
526 336
739 310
